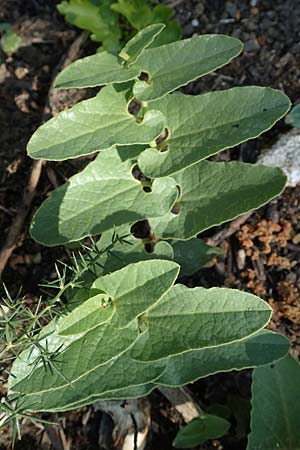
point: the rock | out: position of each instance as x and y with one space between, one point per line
252 45
285 153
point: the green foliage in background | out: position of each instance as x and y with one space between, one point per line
200 430
275 416
110 22
10 41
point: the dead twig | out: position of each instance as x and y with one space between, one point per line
228 231
57 436
132 420
15 237
173 3
183 401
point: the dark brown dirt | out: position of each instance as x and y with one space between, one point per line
262 257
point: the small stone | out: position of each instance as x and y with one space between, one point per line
285 154
37 258
252 45
241 259
195 22
231 9
188 29
21 72
227 21
296 239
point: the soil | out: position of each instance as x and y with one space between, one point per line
261 257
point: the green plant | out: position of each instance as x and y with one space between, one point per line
128 328
10 41
200 430
275 416
293 118
110 21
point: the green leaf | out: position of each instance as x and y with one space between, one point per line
136 287
275 406
167 71
172 31
259 349
95 16
293 118
193 254
94 125
10 41
96 70
212 193
256 350
94 312
200 126
209 317
218 409
200 430
241 409
137 12
139 42
102 196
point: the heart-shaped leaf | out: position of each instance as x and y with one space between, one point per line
93 125
139 42
210 317
212 193
200 126
102 196
173 65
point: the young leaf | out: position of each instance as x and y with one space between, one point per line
275 416
93 312
200 430
102 196
200 126
139 42
96 70
168 71
93 125
136 287
205 317
212 193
